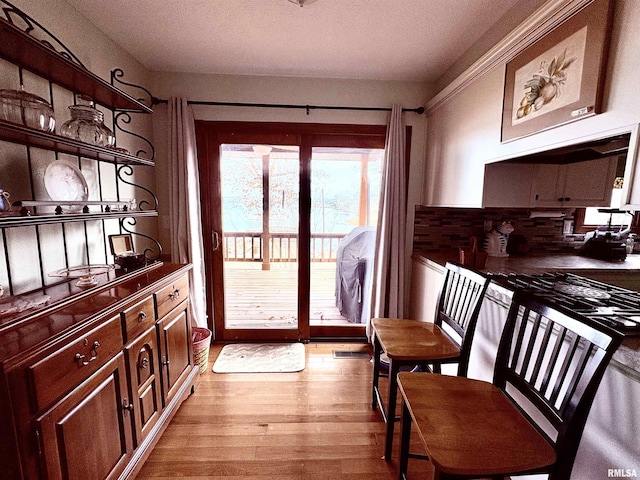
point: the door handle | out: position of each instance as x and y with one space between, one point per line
215 238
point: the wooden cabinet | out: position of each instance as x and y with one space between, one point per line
580 184
88 433
66 367
89 399
175 351
138 318
82 384
526 185
143 358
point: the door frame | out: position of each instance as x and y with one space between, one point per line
209 136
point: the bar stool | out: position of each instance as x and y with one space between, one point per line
411 342
530 419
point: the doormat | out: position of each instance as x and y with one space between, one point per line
260 358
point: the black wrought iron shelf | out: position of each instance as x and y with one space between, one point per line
15 133
22 49
17 220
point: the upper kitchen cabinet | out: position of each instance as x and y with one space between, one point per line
507 185
524 185
579 175
581 184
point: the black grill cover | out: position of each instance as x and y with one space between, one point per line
354 273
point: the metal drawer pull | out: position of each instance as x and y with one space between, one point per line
142 317
94 354
126 405
175 294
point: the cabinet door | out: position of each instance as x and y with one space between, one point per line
580 184
507 185
546 189
88 434
175 350
589 184
144 373
426 279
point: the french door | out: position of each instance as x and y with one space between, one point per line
289 213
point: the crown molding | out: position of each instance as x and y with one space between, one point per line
541 22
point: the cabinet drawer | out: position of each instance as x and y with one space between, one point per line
138 318
65 369
171 295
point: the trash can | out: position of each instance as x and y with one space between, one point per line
201 343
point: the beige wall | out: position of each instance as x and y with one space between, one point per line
299 91
464 132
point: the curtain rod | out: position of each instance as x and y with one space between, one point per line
418 110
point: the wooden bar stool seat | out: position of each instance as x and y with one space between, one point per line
408 343
530 419
470 428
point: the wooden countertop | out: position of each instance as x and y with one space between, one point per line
72 309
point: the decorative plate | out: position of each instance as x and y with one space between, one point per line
65 182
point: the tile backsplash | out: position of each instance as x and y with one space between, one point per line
439 229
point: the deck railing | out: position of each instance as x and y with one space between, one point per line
283 247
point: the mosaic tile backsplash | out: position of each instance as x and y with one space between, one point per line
439 229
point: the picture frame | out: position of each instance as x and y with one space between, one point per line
559 78
120 244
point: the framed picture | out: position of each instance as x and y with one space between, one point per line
558 79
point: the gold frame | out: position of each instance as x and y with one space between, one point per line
571 60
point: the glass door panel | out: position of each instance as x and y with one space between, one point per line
345 193
259 198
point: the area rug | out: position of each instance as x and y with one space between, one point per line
260 358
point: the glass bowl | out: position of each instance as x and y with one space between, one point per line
24 108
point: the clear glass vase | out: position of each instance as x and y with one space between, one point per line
87 125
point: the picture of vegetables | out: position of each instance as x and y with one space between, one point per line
543 87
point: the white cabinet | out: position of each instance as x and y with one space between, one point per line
581 184
526 185
507 184
426 279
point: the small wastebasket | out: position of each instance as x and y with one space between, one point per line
201 342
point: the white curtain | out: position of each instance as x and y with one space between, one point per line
389 263
184 203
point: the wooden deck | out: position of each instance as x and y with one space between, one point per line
256 298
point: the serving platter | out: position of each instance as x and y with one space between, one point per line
85 273
65 182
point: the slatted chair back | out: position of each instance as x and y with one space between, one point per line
459 305
555 359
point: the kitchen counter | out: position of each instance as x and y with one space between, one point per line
625 274
542 263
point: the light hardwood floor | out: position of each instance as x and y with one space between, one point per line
312 425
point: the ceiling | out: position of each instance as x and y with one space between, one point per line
408 40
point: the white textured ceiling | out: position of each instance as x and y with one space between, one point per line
364 39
